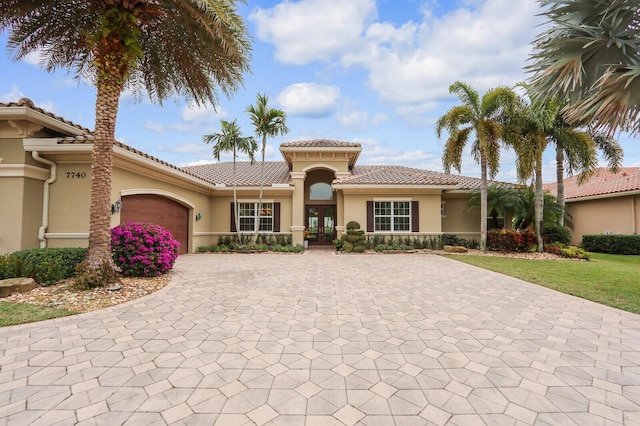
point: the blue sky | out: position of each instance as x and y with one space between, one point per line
373 72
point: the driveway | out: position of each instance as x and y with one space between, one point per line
323 339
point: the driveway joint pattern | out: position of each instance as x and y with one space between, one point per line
322 339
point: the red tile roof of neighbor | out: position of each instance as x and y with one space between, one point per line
320 143
603 182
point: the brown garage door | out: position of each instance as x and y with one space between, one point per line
160 211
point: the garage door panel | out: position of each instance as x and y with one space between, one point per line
158 210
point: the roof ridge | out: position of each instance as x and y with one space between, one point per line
28 103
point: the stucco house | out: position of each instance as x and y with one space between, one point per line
608 203
45 172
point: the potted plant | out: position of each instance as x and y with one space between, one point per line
306 237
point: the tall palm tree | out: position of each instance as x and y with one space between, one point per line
267 122
576 155
167 48
230 139
500 199
481 116
590 54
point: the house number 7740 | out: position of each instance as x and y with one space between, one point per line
76 175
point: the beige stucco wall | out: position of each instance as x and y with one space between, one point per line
355 207
606 215
20 214
314 161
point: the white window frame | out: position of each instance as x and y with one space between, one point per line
265 205
392 216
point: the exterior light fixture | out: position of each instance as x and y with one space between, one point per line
198 216
116 207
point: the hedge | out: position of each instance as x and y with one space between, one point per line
613 244
46 266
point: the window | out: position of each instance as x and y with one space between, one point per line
248 217
320 191
392 216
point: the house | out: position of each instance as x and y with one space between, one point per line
608 203
45 174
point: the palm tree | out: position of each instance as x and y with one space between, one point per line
590 54
575 155
481 116
230 139
499 200
166 47
524 210
267 122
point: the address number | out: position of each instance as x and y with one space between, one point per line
76 175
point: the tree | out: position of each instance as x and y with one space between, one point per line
184 48
481 116
590 54
230 139
267 122
524 210
500 199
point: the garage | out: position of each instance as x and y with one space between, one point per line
158 210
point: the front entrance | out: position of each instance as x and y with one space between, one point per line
321 224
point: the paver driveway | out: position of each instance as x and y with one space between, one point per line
328 339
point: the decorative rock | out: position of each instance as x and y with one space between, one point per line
16 285
455 249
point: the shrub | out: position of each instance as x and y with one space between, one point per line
613 244
556 234
143 249
46 266
351 225
507 240
570 252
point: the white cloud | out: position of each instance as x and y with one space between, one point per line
313 30
374 152
33 58
356 121
202 114
14 95
309 99
154 127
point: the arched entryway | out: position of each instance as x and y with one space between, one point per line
320 206
159 210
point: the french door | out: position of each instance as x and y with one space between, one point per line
321 224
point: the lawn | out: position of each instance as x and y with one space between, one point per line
20 313
612 280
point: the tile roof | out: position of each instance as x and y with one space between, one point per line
603 182
26 102
394 175
247 174
320 143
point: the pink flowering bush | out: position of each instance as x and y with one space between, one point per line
143 249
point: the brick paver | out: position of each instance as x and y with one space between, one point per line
320 338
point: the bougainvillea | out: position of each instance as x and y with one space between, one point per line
143 249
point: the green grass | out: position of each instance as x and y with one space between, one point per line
20 313
612 280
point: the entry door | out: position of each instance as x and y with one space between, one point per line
321 224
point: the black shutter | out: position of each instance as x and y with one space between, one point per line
415 217
233 218
276 217
370 221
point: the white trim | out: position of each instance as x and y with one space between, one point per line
392 199
321 166
295 228
390 186
253 188
66 235
24 171
280 185
153 191
216 233
51 145
298 175
601 196
254 200
26 113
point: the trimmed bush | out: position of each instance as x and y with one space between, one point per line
508 240
351 225
556 234
613 244
143 249
46 266
570 252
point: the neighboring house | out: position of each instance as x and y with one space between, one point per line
45 173
607 203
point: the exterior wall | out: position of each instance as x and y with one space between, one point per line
355 208
302 162
21 213
615 215
457 220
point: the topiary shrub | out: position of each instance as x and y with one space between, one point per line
351 225
353 240
143 249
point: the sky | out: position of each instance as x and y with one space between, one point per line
366 71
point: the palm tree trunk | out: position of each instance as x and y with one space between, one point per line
538 201
560 183
107 99
264 146
483 202
236 213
